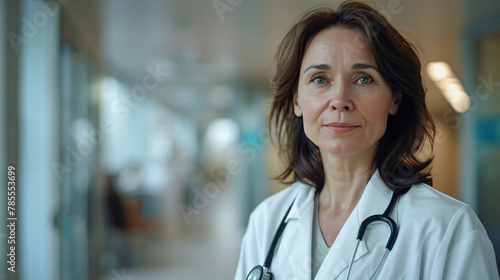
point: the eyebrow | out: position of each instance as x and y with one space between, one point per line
355 66
358 66
320 66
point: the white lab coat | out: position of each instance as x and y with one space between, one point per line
439 238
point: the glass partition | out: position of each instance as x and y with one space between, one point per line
481 126
487 133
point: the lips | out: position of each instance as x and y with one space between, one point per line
341 127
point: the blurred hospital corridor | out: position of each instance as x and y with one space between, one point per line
137 134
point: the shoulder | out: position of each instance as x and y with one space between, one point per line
267 216
427 206
425 198
274 207
449 232
262 225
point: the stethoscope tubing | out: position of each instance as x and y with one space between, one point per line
385 218
277 235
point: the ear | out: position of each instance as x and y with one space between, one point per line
396 100
296 104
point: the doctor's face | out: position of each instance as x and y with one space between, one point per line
341 95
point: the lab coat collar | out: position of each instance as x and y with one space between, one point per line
297 238
374 200
302 203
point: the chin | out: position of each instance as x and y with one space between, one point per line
348 149
340 150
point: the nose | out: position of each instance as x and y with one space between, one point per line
340 99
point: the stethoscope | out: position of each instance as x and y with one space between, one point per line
261 272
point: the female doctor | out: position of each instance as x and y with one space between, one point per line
350 115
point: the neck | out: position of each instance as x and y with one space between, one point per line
345 179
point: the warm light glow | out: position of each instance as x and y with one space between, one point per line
439 70
461 101
450 86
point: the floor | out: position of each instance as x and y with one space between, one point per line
198 254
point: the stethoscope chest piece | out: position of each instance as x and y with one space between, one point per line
261 272
258 272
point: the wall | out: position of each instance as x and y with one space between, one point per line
37 145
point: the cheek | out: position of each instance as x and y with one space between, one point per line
311 109
374 108
375 113
312 106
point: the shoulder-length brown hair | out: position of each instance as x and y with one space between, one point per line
400 67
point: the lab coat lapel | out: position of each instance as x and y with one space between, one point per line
374 200
297 240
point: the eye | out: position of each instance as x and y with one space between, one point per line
365 80
319 80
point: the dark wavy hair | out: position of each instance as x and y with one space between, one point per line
400 67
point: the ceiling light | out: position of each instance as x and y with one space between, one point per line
450 86
439 70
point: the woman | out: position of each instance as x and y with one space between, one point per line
350 117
